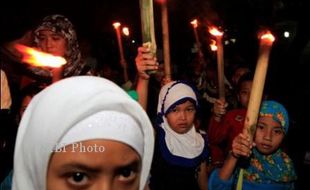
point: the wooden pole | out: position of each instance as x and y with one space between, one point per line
147 26
121 50
220 67
258 84
220 61
166 46
195 25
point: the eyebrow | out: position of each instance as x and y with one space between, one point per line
83 167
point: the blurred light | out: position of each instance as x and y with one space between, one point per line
116 24
125 31
286 34
194 23
233 40
226 42
133 41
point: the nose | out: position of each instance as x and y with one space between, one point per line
268 134
182 115
48 43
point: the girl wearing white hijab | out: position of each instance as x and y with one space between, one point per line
83 133
180 152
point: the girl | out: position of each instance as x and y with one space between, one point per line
83 133
269 167
56 35
180 152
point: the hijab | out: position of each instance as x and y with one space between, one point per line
77 109
276 167
62 25
190 144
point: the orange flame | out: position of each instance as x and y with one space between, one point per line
116 25
38 58
268 36
194 23
125 31
213 45
215 32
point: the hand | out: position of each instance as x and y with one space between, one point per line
219 109
242 146
145 61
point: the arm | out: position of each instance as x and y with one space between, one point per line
217 132
203 176
144 61
241 147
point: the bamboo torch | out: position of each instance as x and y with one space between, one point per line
121 50
194 23
266 42
220 61
147 26
165 32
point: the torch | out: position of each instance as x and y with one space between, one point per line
38 58
194 23
121 50
147 26
266 42
220 61
165 32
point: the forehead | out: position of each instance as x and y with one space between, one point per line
47 32
246 84
269 121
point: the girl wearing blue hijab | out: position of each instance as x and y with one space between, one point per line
268 167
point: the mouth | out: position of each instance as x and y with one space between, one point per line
266 146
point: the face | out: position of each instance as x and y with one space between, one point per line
182 117
244 93
269 135
52 43
94 165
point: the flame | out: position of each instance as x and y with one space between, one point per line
194 23
213 45
268 36
215 32
38 58
125 31
116 24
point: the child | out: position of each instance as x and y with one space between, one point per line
224 127
180 152
269 167
83 133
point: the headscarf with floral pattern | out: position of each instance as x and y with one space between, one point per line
276 167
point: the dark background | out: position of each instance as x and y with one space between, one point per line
288 73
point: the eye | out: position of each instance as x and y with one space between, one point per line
56 38
191 109
278 131
78 179
174 110
260 126
127 174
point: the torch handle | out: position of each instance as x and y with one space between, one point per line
257 90
220 68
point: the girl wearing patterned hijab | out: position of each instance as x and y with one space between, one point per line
180 151
268 167
56 35
83 133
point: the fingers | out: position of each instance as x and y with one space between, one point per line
242 146
219 107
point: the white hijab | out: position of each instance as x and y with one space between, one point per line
53 114
190 144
